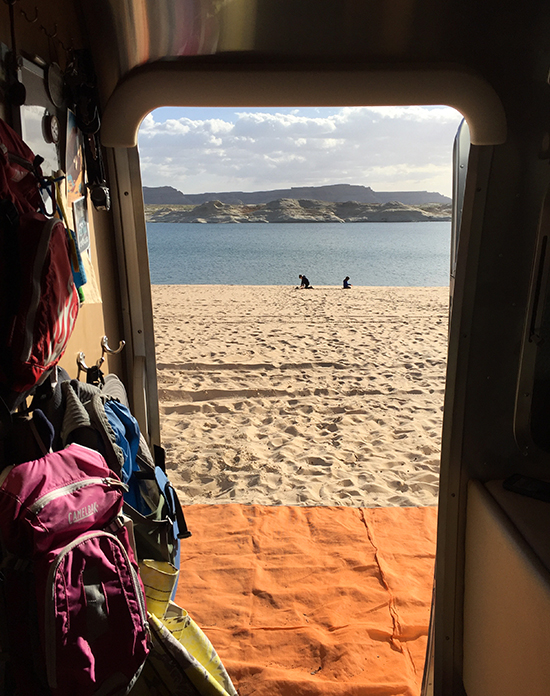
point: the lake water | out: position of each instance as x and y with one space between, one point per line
383 253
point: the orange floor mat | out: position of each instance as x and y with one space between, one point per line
318 601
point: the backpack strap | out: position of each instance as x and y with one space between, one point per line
175 511
174 506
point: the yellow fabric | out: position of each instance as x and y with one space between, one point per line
159 579
182 661
184 629
194 656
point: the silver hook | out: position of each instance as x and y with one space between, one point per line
82 367
106 349
50 36
67 50
105 346
26 16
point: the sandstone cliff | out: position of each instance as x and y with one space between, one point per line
297 210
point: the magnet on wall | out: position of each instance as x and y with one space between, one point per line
50 128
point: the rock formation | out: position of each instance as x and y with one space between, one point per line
298 210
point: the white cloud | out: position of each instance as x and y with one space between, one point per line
387 148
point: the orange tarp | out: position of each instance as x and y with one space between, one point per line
312 601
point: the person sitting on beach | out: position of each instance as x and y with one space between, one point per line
305 283
346 284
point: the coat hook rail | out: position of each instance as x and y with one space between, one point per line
105 348
51 35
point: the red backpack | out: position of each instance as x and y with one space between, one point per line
38 298
75 612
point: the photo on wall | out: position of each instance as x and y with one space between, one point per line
74 161
81 224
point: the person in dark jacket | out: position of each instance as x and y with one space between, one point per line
346 283
305 283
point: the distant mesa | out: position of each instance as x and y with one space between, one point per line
163 195
336 193
337 203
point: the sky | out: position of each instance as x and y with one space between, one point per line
202 150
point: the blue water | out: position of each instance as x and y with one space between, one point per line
384 253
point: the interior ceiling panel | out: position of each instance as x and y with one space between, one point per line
464 35
147 30
134 32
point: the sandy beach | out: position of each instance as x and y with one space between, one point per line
277 396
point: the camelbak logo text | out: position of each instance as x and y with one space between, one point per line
84 512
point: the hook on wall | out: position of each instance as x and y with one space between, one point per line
50 36
82 367
105 348
65 48
30 20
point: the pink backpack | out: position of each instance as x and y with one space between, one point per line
75 611
38 298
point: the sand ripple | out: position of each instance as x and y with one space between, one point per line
272 395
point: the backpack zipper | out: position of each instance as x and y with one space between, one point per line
21 161
50 598
69 488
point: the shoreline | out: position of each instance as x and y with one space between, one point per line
293 287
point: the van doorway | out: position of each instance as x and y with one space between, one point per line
315 413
